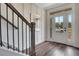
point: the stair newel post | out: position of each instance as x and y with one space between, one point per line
33 39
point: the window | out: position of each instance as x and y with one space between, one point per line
59 23
69 29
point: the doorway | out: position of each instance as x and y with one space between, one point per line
61 27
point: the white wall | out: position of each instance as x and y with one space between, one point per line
76 24
35 10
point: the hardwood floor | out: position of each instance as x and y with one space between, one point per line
55 49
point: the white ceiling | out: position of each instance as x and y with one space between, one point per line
44 5
48 5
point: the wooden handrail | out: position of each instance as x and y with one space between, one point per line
19 15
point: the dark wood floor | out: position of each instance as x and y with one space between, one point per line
55 49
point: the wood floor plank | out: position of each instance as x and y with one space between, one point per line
55 49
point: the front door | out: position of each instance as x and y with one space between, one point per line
61 27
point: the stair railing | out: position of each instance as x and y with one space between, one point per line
23 44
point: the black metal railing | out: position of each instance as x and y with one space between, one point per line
25 41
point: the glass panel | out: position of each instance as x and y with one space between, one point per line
69 27
59 23
56 19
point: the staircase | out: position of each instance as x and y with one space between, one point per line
16 33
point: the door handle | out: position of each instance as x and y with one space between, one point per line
65 29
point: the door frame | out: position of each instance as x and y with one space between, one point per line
65 14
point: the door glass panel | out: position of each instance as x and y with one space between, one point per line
69 30
59 23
